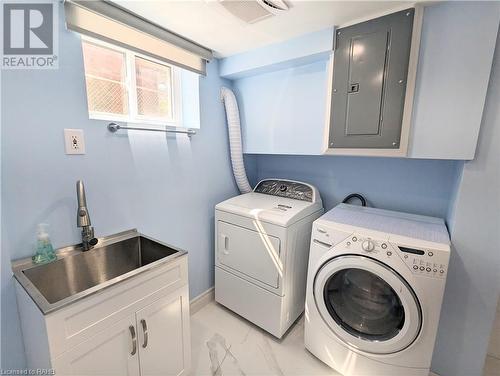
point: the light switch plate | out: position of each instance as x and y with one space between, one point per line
74 141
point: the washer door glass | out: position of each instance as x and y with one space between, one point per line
364 304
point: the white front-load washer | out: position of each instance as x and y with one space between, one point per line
261 252
375 285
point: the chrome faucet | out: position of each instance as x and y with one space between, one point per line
83 218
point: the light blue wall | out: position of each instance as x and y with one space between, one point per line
473 284
301 50
281 91
165 186
412 185
284 111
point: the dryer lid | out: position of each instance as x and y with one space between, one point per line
281 211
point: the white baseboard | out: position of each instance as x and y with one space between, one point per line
201 300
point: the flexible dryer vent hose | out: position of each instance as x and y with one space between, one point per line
234 130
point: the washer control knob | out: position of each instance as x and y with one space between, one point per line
384 246
422 268
428 269
415 267
368 245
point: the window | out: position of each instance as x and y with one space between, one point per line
153 84
105 77
125 86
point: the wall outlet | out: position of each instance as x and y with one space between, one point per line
74 142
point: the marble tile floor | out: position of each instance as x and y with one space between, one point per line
224 344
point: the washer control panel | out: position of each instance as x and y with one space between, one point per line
424 261
428 262
367 244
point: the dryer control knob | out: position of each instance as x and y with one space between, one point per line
368 245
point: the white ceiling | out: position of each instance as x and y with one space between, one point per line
209 24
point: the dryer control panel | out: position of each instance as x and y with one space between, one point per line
428 262
286 188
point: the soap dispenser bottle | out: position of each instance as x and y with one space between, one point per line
44 250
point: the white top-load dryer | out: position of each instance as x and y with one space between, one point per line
261 252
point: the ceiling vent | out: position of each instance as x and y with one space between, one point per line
251 11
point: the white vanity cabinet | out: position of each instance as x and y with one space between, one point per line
108 353
139 326
161 320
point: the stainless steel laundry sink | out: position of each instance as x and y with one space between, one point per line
77 274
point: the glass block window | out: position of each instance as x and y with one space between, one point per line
125 86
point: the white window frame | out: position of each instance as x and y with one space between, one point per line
131 88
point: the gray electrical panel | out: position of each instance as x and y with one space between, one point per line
369 82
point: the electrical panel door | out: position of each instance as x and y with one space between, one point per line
369 82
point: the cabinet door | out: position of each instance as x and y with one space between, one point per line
164 336
110 353
452 82
369 82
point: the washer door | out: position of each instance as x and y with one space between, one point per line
367 304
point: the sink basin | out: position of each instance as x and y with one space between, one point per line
77 274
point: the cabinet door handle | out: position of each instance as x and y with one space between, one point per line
134 339
145 332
